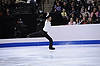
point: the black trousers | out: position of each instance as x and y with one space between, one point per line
42 34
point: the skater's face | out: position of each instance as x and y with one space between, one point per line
50 19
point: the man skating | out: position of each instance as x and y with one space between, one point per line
44 32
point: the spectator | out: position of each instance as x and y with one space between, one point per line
94 2
58 7
72 11
65 16
80 17
83 2
78 5
84 21
56 18
78 21
94 12
71 22
90 20
73 16
61 2
94 15
56 1
72 4
86 13
90 6
82 10
65 6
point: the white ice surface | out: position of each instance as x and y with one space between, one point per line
64 55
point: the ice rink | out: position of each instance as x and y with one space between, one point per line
64 55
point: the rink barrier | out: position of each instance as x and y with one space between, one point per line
65 34
83 42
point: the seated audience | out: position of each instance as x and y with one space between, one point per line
72 22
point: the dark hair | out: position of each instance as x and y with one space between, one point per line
48 16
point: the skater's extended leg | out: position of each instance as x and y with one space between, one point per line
50 40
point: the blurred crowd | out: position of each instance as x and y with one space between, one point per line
17 18
21 17
74 12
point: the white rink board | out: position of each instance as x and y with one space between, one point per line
64 33
76 32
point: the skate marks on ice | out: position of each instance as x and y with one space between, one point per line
63 55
